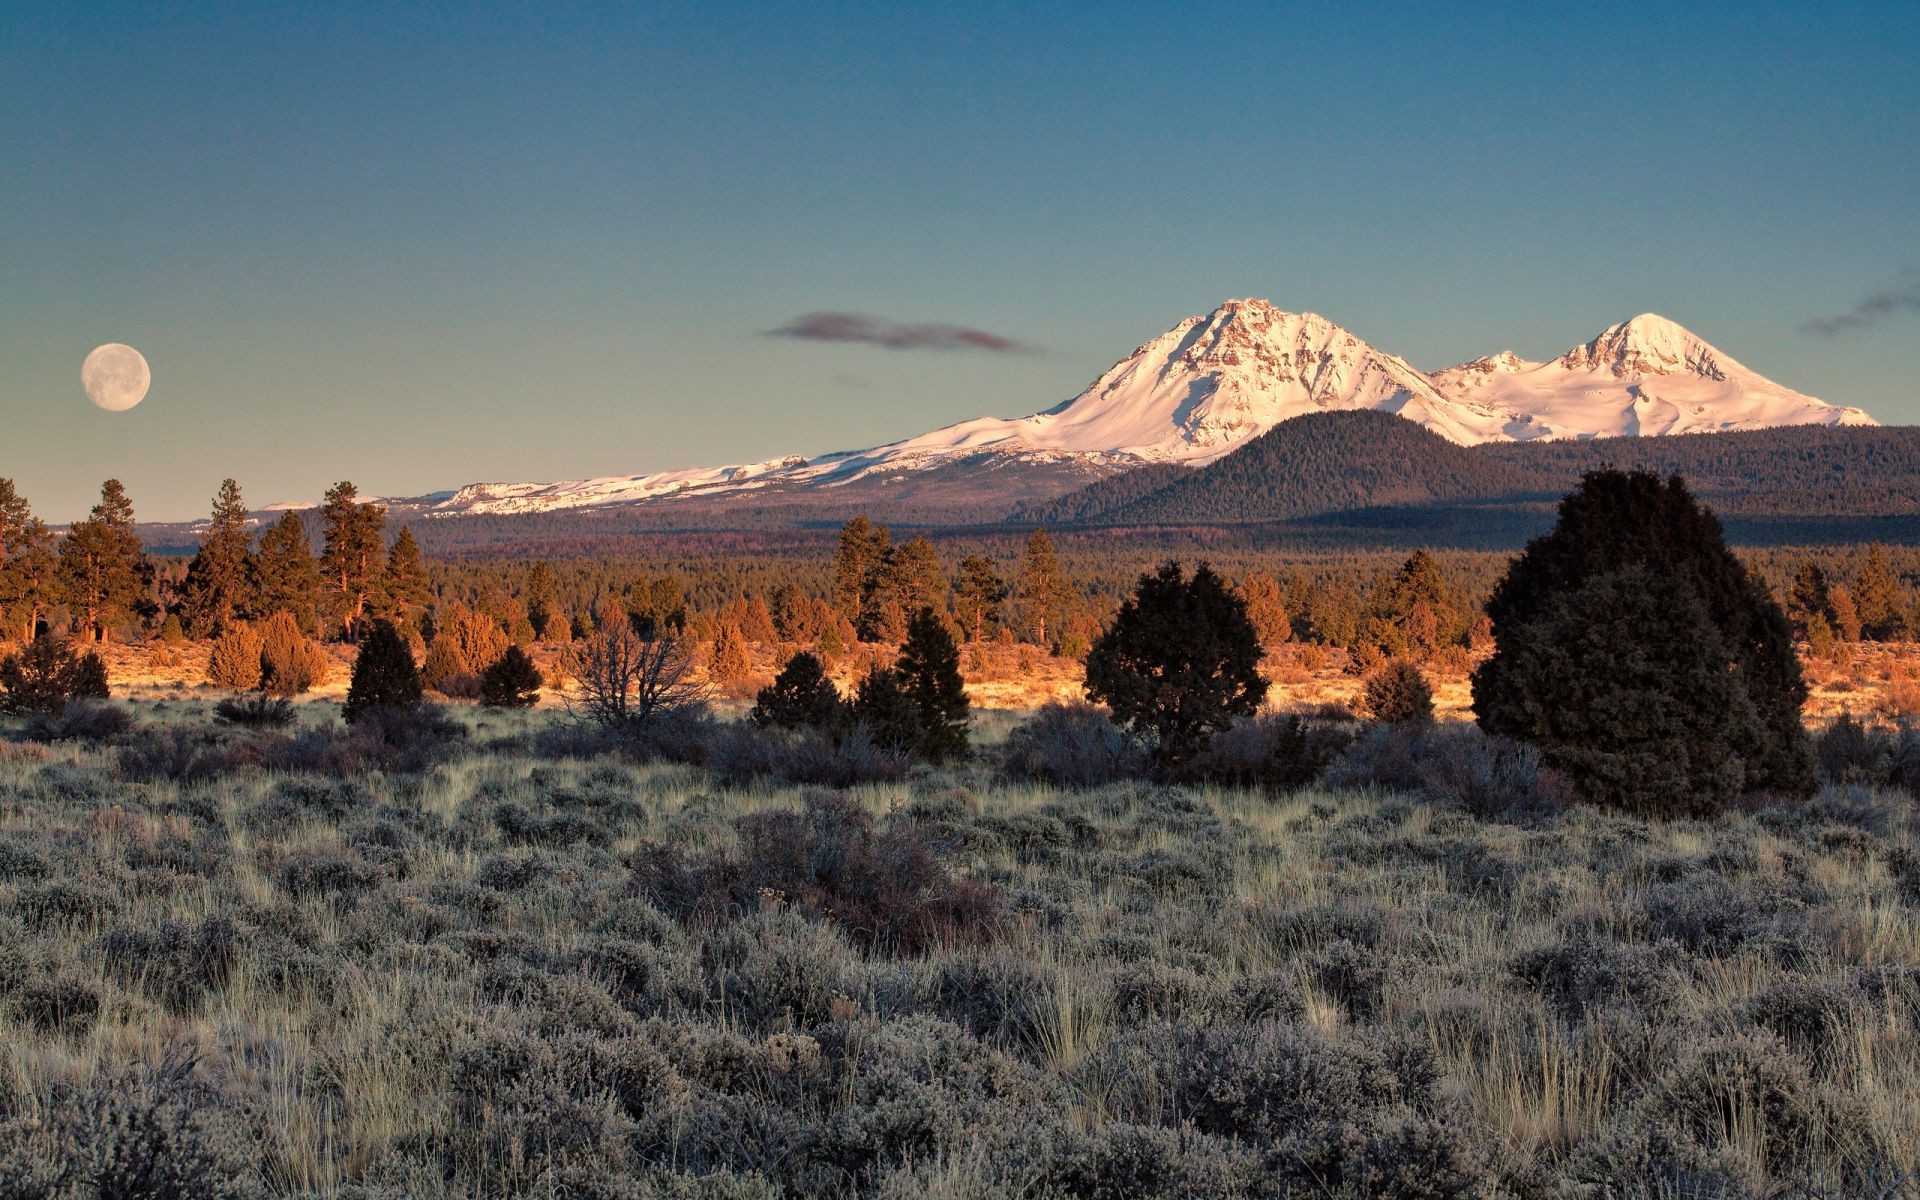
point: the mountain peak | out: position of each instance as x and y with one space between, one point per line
1649 344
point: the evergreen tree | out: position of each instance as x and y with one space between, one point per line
235 661
1877 598
219 583
929 674
801 696
796 615
48 674
905 579
285 576
855 562
404 591
512 681
464 644
882 705
1040 589
729 661
384 674
353 560
290 663
103 571
1266 609
756 621
1398 694
657 607
1724 645
978 595
1811 596
543 599
1846 616
29 566
1179 663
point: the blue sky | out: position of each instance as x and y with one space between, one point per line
419 248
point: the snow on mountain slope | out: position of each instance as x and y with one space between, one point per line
1641 377
1210 384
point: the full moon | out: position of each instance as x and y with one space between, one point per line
115 377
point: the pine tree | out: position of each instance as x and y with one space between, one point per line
404 589
1877 598
1725 645
1266 609
285 576
1179 663
855 561
512 681
543 601
384 674
220 578
657 607
929 673
353 561
978 595
102 568
29 566
1847 625
1811 596
1040 589
801 696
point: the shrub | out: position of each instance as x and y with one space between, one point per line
180 753
1639 655
512 681
384 676
1850 751
290 662
885 889
254 712
1281 751
464 644
235 660
91 721
47 675
1179 662
800 696
178 965
1072 744
1398 694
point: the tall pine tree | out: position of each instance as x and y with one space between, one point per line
285 577
103 570
353 562
978 594
405 592
855 563
219 581
29 566
1040 589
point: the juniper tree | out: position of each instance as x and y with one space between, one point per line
1179 662
103 571
728 663
800 696
384 674
353 560
512 681
285 576
882 705
1877 598
220 578
929 674
45 676
1682 637
543 598
1398 694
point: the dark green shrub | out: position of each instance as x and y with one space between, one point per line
929 672
512 681
48 674
258 711
1074 744
800 696
1398 694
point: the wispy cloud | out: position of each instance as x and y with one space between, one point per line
894 335
1902 297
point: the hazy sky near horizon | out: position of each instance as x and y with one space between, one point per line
419 248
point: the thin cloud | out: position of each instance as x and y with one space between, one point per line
894 335
1903 297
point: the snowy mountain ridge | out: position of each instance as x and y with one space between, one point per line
1212 383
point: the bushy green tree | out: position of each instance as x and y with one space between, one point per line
929 673
235 659
29 566
290 662
1398 694
978 595
855 562
1179 662
1630 636
384 674
881 704
404 591
512 681
354 558
1878 598
800 696
728 662
47 675
1040 590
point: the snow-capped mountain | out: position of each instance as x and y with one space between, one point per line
1640 377
1210 384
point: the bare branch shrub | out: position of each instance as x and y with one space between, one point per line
624 679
